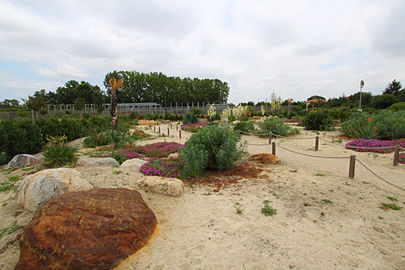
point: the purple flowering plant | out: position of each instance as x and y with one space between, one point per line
156 150
169 167
374 145
193 127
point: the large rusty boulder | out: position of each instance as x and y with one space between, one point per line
91 229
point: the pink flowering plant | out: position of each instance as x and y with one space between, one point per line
169 167
374 145
193 127
156 150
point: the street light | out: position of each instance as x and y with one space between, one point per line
361 87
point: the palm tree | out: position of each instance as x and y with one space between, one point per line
114 86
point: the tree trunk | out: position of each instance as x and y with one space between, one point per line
114 110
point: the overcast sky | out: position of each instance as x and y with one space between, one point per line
294 48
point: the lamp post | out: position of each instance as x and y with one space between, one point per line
361 87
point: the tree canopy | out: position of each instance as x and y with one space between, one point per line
162 89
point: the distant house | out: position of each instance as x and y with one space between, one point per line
316 99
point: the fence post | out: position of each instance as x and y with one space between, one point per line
154 128
180 133
352 166
316 143
159 130
168 131
273 148
177 126
396 155
270 138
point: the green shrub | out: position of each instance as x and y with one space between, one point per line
190 118
319 120
19 137
59 155
118 157
386 125
213 147
360 126
244 126
399 106
276 126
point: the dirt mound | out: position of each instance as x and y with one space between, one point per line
140 133
265 158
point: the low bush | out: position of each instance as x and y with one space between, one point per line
385 125
155 150
119 157
244 126
19 137
190 118
319 120
276 126
399 106
213 147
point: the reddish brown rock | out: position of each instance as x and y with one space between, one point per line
92 229
265 158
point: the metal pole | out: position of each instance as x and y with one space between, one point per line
316 143
352 166
273 148
396 155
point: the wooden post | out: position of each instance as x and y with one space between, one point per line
159 130
270 138
352 166
180 133
273 148
396 155
154 128
316 143
168 131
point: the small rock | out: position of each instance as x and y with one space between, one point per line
162 185
22 160
134 163
97 162
92 229
37 188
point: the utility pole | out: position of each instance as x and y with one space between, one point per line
361 87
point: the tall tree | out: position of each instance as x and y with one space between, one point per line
393 88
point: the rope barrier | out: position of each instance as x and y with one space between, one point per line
379 177
292 151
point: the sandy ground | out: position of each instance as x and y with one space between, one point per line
201 229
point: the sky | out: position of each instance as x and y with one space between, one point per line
295 48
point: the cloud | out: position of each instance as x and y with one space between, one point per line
295 48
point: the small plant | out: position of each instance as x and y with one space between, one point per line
118 157
162 167
320 174
267 210
326 201
213 147
393 199
14 227
117 172
238 208
193 127
276 126
59 155
392 206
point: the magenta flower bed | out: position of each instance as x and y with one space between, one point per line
372 145
160 149
193 127
162 167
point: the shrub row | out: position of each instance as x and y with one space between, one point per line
17 137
